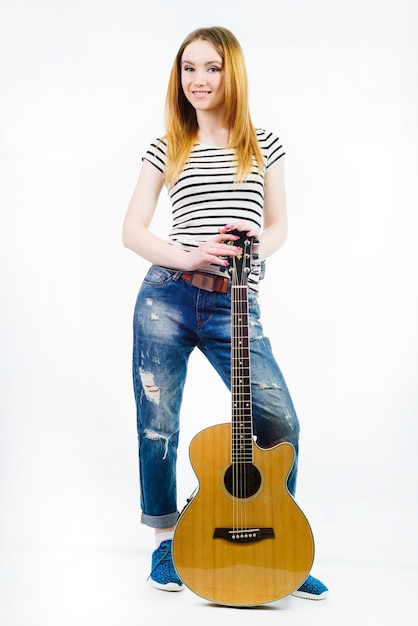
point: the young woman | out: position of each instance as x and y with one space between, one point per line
221 174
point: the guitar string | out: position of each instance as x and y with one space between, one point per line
241 450
238 432
241 403
244 387
242 441
235 467
234 399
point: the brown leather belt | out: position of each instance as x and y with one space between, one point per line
208 282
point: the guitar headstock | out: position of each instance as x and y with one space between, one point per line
240 265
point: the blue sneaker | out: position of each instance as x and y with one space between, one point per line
163 574
312 589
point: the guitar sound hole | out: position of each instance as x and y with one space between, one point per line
242 480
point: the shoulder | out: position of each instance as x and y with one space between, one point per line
156 153
158 147
268 139
271 145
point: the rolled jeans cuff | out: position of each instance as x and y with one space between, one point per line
160 521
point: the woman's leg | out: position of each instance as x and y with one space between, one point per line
160 356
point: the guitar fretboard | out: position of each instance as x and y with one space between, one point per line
242 430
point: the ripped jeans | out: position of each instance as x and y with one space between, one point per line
172 317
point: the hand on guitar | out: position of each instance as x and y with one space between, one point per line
244 227
213 251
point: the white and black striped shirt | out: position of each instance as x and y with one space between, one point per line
205 197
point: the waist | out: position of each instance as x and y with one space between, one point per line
208 282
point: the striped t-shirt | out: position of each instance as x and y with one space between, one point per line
205 197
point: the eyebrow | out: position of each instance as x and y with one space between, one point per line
208 63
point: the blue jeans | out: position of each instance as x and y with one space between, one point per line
172 317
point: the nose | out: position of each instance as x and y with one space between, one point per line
199 79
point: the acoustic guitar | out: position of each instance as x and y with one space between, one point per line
241 540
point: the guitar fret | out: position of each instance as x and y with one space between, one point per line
242 443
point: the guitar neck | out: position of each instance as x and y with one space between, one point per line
242 428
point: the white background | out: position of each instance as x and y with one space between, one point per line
82 91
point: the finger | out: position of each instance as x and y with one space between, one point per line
226 237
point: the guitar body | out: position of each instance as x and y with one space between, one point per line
241 550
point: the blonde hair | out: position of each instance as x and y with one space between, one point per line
180 116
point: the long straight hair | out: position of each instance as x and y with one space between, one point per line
180 116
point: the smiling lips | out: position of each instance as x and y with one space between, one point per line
200 94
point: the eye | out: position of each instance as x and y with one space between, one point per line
187 68
214 68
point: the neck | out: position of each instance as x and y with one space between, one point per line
213 137
211 129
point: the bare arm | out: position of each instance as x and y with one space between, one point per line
137 236
275 211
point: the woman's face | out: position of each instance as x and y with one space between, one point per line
202 76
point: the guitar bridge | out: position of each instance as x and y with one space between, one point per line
243 535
